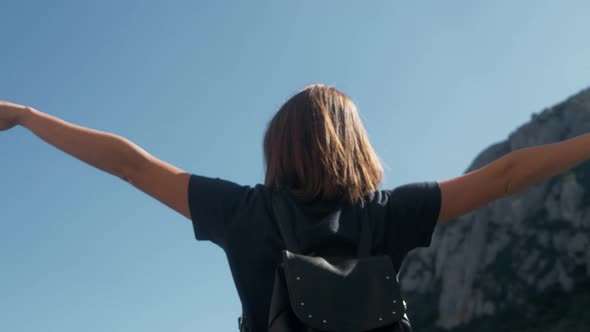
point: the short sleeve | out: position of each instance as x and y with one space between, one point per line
213 203
413 210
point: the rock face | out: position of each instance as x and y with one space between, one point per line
491 258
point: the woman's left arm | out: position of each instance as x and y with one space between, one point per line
115 155
105 151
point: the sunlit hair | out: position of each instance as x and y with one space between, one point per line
317 148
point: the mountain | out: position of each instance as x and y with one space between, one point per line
517 261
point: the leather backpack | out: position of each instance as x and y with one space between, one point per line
333 293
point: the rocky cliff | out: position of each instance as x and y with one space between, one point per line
504 254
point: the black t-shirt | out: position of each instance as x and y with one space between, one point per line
240 220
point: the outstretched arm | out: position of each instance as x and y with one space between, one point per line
105 151
531 165
115 155
510 174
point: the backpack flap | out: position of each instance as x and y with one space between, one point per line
343 293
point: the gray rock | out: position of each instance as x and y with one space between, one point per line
490 258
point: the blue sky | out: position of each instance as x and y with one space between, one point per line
194 83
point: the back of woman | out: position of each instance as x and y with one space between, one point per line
319 161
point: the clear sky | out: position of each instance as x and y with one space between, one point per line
194 83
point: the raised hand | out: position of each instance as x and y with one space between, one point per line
10 114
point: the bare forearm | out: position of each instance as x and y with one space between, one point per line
105 151
531 165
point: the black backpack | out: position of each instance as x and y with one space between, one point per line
329 293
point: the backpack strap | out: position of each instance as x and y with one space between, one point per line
285 228
365 239
280 213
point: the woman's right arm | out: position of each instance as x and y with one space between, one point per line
534 164
510 174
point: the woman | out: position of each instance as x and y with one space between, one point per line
318 156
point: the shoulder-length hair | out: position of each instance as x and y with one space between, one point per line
317 148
